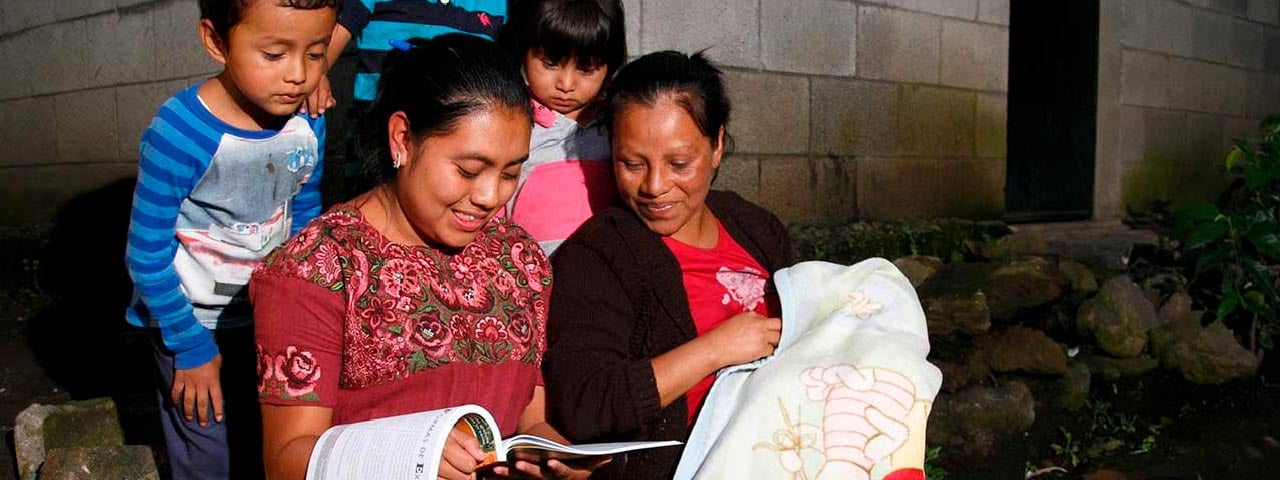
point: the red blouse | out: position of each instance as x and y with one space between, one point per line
721 281
349 320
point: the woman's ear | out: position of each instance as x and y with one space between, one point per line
718 153
398 139
214 45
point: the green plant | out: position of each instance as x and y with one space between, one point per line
1068 450
931 470
1237 242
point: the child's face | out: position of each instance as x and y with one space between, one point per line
275 57
566 87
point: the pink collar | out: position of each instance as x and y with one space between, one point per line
542 115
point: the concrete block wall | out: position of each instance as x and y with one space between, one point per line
849 109
843 108
1192 75
83 79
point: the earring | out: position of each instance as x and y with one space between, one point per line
399 159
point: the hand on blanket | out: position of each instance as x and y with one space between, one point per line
744 337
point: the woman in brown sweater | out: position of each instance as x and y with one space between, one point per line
654 298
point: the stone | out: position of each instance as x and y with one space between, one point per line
965 314
918 268
956 376
1024 284
1212 357
130 462
1112 369
975 56
728 30
1021 349
898 45
976 421
41 428
1082 279
1074 385
1175 308
764 121
897 188
1117 320
815 37
937 121
1016 245
854 117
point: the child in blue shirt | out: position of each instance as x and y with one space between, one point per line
227 173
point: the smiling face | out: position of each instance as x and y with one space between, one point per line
565 87
664 166
273 58
449 185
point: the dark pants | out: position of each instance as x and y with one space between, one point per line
231 449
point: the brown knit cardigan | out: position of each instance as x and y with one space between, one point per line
618 302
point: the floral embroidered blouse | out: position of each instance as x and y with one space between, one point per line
348 319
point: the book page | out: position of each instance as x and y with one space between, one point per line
530 442
401 447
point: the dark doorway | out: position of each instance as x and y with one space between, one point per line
1053 92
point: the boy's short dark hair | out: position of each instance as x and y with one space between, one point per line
594 32
225 14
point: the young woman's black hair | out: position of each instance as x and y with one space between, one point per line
225 14
435 83
690 80
592 32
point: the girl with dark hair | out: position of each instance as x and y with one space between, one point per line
569 50
653 298
414 296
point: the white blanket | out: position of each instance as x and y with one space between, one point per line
846 395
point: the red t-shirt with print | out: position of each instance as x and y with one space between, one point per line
721 281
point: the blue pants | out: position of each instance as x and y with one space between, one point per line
231 449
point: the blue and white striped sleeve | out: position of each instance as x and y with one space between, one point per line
308 203
167 169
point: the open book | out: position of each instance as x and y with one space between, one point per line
409 446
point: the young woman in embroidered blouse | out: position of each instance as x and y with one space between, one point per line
413 296
652 299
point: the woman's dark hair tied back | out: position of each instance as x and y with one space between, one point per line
689 80
435 83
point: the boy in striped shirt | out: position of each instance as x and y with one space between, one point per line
227 172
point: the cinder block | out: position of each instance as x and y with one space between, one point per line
979 196
770 112
1271 51
836 199
1191 85
1133 24
34 194
816 36
1133 127
1144 79
1239 129
130 3
1266 11
1246 47
68 68
898 45
27 129
65 9
121 48
975 56
1212 36
1165 137
1235 8
728 30
1200 3
787 186
741 174
86 126
1230 87
1263 94
897 188
994 11
1169 25
992 125
17 82
1204 139
136 106
24 14
936 121
633 9
854 117
178 52
966 9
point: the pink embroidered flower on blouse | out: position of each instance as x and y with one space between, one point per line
298 370
302 241
490 329
433 334
328 262
400 278
266 369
